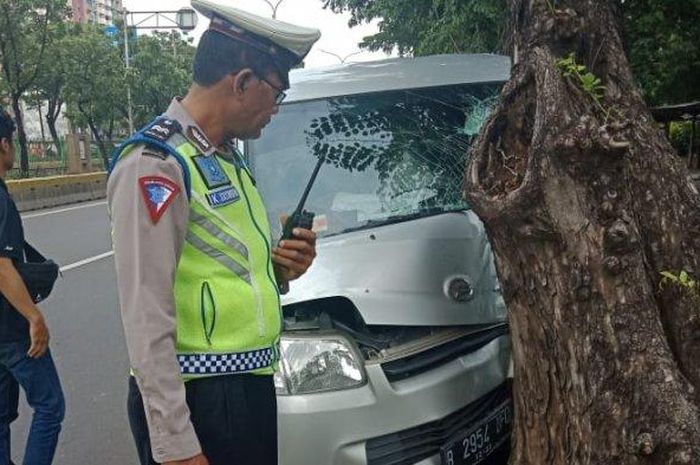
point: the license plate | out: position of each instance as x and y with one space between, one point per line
475 445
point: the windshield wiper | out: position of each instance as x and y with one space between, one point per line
393 219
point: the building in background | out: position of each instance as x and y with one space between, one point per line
101 12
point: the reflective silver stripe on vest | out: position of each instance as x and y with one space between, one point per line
218 255
214 230
237 362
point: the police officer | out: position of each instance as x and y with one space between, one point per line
25 358
198 274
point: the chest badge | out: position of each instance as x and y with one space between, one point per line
211 171
221 197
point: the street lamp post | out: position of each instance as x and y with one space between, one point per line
185 20
126 64
274 7
340 58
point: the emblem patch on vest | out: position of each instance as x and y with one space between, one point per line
199 139
158 193
223 197
162 129
211 171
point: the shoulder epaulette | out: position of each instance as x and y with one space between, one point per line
162 129
157 136
155 153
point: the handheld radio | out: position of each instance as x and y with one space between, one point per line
302 218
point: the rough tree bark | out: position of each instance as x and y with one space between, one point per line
584 211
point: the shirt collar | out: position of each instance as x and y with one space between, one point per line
190 129
3 186
227 154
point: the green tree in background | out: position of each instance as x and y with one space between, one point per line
95 85
662 36
161 67
663 42
425 27
47 61
24 38
51 80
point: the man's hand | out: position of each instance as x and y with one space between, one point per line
39 335
196 460
294 256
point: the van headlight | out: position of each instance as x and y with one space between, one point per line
318 363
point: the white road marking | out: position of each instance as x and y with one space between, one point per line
87 261
77 207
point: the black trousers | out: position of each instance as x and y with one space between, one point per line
234 416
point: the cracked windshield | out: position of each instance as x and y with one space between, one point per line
389 157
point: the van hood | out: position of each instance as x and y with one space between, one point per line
399 274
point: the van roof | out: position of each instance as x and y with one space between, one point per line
396 74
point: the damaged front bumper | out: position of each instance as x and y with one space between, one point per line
355 426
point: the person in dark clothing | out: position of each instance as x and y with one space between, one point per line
25 359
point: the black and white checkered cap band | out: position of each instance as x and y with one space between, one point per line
213 364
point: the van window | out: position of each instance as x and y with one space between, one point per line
390 156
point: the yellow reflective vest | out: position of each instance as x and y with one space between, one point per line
226 296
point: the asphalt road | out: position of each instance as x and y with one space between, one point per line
87 340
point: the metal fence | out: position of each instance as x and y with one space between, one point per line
45 159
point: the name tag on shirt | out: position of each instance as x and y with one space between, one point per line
223 197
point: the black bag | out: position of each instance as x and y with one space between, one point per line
38 273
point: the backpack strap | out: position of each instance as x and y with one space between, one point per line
32 255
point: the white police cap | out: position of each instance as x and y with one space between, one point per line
287 44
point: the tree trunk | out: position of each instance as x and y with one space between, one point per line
21 135
110 131
52 115
101 144
41 124
51 123
586 204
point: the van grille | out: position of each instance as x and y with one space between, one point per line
415 444
432 358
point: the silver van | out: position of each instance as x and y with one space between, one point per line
396 347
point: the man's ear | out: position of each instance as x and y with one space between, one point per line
4 145
242 80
